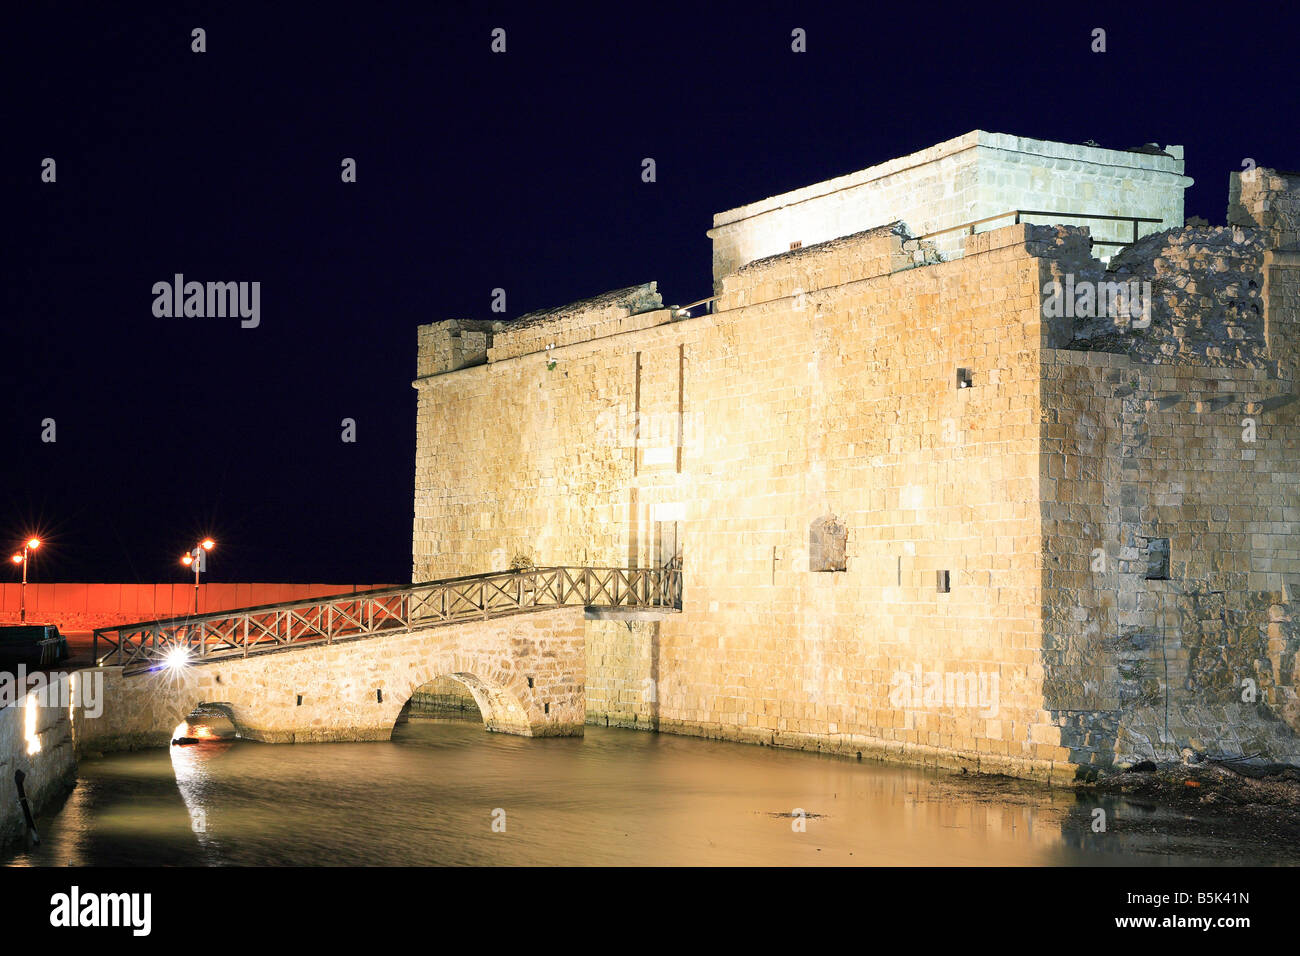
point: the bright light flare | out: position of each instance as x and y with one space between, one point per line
208 544
176 658
187 559
17 559
34 543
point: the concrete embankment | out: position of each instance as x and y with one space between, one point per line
35 739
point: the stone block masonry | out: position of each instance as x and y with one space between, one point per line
797 412
526 674
971 625
37 740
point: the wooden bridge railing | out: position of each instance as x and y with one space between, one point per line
208 638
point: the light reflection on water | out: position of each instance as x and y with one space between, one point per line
613 797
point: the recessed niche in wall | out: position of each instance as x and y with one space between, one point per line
1158 559
942 582
828 541
964 378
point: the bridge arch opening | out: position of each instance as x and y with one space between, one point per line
207 722
466 696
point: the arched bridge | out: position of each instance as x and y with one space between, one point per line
342 667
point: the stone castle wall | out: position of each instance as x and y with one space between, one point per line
1204 460
824 385
978 454
36 738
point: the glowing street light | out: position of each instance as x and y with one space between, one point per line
198 559
21 558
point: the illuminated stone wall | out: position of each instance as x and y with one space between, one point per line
784 407
525 673
37 740
976 452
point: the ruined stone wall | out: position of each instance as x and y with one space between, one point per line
1204 459
1267 200
622 310
1176 431
825 385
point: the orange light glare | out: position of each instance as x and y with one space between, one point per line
17 559
187 560
34 543
208 544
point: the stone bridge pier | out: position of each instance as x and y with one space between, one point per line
526 673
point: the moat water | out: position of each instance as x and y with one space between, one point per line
441 791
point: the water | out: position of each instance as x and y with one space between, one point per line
613 797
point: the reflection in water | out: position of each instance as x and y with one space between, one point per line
613 797
191 766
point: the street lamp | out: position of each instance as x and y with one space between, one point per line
198 559
31 545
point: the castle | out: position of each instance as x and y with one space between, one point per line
919 513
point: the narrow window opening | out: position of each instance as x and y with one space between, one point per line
299 704
943 582
530 683
1158 559
379 696
964 379
797 244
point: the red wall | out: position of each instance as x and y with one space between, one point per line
84 607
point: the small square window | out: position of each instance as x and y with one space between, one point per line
963 378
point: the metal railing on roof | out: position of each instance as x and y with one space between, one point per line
1018 213
705 306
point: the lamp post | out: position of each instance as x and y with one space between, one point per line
31 545
198 559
